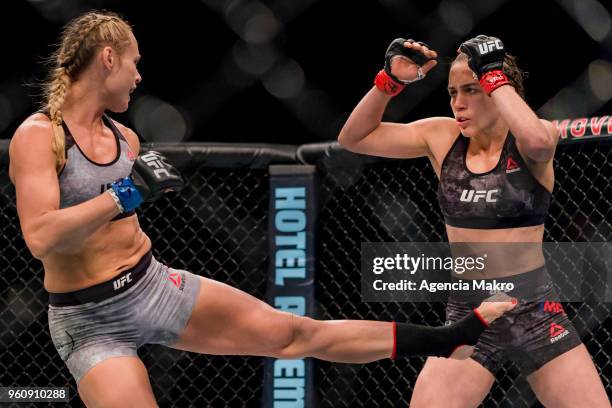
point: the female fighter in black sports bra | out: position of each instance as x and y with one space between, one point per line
494 161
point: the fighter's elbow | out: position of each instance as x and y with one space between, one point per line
352 143
343 139
38 246
540 144
541 153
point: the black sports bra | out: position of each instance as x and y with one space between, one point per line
508 196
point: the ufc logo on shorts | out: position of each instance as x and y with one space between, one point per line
473 196
153 161
119 283
489 46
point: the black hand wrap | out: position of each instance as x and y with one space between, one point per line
484 54
153 175
396 48
417 340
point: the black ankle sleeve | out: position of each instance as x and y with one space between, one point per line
417 340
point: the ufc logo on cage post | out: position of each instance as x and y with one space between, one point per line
153 161
489 46
473 196
119 283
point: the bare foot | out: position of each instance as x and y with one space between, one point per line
495 306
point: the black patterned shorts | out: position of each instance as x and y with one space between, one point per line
532 334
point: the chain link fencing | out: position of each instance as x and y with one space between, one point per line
373 200
217 228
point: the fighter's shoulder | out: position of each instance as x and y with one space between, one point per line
129 134
437 127
440 133
35 123
34 133
30 149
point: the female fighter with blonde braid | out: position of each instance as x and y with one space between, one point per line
79 179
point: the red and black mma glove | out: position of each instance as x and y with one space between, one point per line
389 83
486 58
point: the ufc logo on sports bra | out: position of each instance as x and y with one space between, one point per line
153 161
473 196
119 283
489 46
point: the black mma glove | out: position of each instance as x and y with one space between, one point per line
389 83
151 176
486 58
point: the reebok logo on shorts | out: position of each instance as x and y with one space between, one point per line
557 332
177 280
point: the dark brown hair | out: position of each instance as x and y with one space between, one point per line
515 75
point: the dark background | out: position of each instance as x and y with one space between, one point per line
290 71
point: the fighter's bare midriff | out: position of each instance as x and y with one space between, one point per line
115 247
522 253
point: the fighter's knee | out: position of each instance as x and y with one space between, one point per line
296 340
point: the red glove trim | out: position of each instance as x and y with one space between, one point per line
479 316
386 84
492 80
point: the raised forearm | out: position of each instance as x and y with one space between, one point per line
366 117
486 58
406 61
522 120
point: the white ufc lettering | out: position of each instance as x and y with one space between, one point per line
119 283
153 161
489 46
161 171
472 196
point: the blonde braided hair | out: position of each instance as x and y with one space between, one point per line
80 40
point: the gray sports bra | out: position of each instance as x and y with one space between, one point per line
82 179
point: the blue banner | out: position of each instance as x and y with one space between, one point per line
291 234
